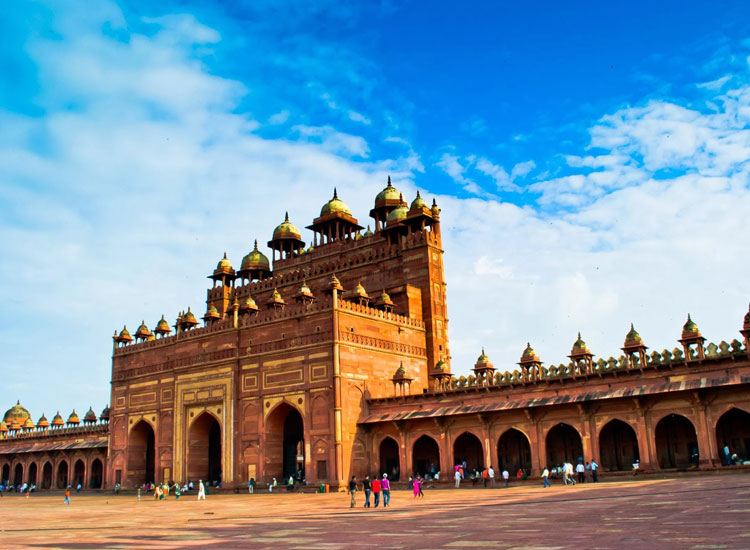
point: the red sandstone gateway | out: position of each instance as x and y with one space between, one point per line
333 360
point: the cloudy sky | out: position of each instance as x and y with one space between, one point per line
592 164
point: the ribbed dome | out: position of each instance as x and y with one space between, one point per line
142 331
690 328
73 418
162 326
58 420
189 319
369 233
389 193
418 203
384 299
43 422
286 230
441 366
125 335
632 337
3 426
360 291
304 290
212 312
29 424
90 416
249 303
335 205
16 412
256 259
105 414
483 359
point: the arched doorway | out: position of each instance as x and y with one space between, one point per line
31 478
514 451
467 448
47 475
18 475
285 444
62 475
389 459
563 445
426 456
79 473
204 449
618 446
95 482
733 431
676 442
141 455
6 474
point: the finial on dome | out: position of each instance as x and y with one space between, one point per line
286 216
255 246
389 180
335 194
418 193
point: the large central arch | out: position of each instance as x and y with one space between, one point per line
676 442
468 448
618 446
563 445
426 456
514 451
285 443
204 449
141 455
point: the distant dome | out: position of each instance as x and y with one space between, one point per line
16 412
125 335
441 366
579 347
43 422
142 331
389 193
58 420
224 264
286 230
335 205
73 418
529 354
90 416
189 318
399 213
418 203
690 328
256 259
105 414
29 424
369 233
162 327
632 337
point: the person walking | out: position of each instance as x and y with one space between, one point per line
485 477
251 485
421 483
366 487
385 486
376 491
67 496
728 455
506 477
491 475
139 494
457 477
201 490
415 486
594 471
580 470
353 491
545 479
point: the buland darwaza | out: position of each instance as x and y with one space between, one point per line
333 360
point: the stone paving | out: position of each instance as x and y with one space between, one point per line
698 512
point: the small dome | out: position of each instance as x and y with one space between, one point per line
125 335
579 347
90 416
632 337
73 418
256 259
369 233
286 230
418 203
400 371
360 291
275 298
16 412
105 414
224 264
335 206
212 312
309 249
15 425
304 290
29 424
529 355
249 304
162 326
142 331
384 299
58 420
189 319
441 366
397 214
690 328
3 426
483 359
43 422
389 193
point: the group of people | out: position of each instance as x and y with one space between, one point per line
376 487
583 472
486 476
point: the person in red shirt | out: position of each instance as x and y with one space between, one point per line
376 491
67 497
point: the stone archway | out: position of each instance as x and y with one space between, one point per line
32 475
514 451
733 431
563 445
204 449
285 444
47 475
62 475
141 463
618 446
425 456
676 442
389 459
79 473
6 474
97 474
468 448
18 475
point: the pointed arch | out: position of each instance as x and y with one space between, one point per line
514 451
676 442
467 447
204 449
618 446
390 461
564 444
425 456
733 435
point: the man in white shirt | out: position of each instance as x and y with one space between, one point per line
491 475
580 470
506 476
595 471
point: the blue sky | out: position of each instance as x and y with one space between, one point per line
591 162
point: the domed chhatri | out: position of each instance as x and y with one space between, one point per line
58 421
73 419
384 302
286 230
385 202
692 341
397 214
529 355
287 239
389 193
189 318
632 337
255 265
275 301
124 336
335 206
224 265
162 327
3 426
418 203
16 412
43 423
90 416
28 425
579 348
368 233
690 329
104 417
358 294
334 284
212 314
142 333
249 306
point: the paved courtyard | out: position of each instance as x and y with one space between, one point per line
695 512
